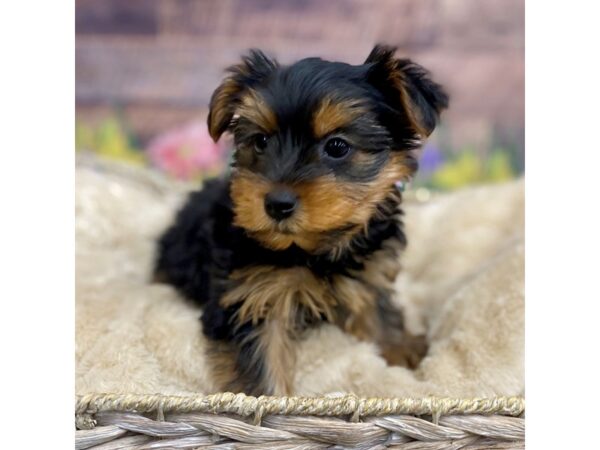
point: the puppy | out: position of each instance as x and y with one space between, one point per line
306 229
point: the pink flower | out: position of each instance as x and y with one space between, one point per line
187 152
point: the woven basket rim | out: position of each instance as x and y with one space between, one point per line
342 405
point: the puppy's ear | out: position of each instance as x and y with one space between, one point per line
253 69
407 88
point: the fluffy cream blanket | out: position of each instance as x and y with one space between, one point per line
463 284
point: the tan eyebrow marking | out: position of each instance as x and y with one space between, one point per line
332 115
254 108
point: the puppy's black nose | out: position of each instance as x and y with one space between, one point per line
280 204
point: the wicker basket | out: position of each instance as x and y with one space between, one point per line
238 421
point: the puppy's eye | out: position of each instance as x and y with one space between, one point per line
336 148
260 143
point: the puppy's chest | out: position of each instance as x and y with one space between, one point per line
297 296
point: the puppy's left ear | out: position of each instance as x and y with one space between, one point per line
407 87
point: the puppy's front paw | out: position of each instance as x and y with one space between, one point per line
407 353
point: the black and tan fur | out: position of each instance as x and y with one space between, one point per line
334 138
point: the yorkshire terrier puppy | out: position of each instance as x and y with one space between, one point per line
306 228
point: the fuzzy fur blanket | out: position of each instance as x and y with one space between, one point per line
462 285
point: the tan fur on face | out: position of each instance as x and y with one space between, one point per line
254 108
326 204
248 191
332 115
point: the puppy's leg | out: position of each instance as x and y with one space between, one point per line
275 347
383 323
407 353
398 346
371 314
260 360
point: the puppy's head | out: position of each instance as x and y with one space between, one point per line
319 144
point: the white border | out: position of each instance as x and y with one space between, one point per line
562 223
36 241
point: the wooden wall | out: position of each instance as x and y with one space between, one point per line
158 61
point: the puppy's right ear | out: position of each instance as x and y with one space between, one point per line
253 69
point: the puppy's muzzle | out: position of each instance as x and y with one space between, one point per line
281 204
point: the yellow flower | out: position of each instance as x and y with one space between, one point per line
468 168
499 168
113 143
84 137
465 169
108 140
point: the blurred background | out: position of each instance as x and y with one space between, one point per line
145 70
